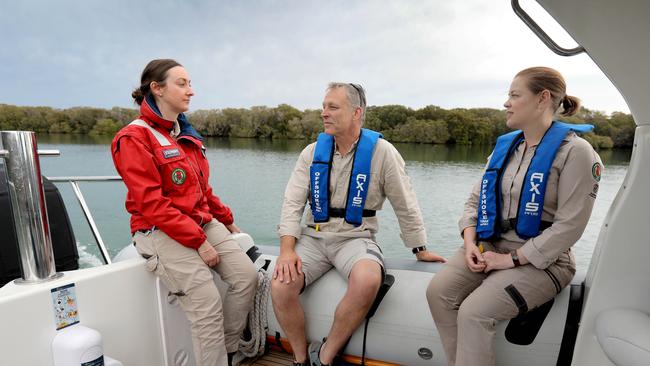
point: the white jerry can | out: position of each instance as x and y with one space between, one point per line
78 345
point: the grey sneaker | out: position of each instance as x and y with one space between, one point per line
314 353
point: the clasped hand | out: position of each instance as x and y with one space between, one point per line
487 261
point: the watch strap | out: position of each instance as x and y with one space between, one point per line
419 249
515 258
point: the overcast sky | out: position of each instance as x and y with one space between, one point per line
245 53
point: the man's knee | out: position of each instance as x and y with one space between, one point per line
286 291
365 279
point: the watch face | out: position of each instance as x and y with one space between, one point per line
515 258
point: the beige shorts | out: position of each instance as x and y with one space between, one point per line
320 251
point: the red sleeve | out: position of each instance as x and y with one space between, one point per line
218 209
137 166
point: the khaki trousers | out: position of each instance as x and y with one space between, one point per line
466 306
185 274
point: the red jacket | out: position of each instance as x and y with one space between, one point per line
167 185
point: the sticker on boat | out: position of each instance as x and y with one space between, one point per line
64 301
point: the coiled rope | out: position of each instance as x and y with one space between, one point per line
257 320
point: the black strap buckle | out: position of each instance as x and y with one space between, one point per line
507 225
511 224
340 212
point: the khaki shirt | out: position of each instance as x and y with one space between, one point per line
388 179
570 194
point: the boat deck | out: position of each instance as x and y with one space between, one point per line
279 358
272 358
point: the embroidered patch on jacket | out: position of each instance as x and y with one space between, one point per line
596 170
171 153
178 176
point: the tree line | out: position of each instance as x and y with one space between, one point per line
429 125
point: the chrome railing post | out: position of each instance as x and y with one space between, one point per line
93 227
25 187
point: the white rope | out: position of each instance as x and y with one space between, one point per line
257 321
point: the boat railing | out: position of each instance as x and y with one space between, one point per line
74 182
539 32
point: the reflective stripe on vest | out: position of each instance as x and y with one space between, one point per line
319 174
531 201
159 136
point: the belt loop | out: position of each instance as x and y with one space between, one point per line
148 231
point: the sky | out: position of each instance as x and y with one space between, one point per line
453 54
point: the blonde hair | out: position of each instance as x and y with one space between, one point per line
542 78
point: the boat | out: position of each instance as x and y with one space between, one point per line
602 318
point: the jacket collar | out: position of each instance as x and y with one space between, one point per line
150 112
186 128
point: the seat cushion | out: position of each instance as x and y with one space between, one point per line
624 335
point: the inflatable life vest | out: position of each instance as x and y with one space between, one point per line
319 174
531 202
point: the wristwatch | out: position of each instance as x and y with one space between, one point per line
419 249
515 258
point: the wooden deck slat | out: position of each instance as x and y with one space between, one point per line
276 357
273 358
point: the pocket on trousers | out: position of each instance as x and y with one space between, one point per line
152 263
158 268
145 247
518 299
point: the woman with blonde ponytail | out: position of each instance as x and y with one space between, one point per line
519 222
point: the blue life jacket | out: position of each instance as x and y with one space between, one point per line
531 200
319 174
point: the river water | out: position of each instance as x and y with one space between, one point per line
250 176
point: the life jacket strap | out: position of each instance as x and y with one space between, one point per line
340 212
510 224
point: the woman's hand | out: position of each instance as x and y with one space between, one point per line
474 259
208 254
233 228
497 261
288 266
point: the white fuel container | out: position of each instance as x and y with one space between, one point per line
78 345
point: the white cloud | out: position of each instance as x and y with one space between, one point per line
240 54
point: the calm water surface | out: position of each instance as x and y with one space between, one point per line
250 176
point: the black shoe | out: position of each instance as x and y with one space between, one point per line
230 357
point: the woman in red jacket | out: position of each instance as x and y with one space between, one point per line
177 222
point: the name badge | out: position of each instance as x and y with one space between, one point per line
171 153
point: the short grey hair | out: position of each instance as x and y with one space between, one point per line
356 96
